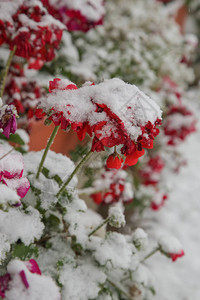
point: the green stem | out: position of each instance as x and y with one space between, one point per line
120 290
50 141
150 254
5 72
73 173
7 153
98 227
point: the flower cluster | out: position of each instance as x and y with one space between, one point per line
179 123
112 112
30 29
11 172
112 187
77 15
25 94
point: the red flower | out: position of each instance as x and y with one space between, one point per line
157 206
179 123
174 256
24 94
93 109
114 161
116 188
34 32
58 84
77 19
97 198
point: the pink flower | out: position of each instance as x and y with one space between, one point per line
11 172
8 122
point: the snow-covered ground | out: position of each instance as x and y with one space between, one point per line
180 217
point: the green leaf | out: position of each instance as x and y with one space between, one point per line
15 138
24 252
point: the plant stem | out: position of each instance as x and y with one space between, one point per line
120 290
150 254
73 173
5 72
7 153
98 227
50 141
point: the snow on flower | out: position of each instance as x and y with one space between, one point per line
30 29
113 112
25 279
116 215
18 224
140 239
112 186
11 172
179 123
24 94
77 15
171 247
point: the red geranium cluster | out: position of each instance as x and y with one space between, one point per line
158 201
23 93
97 116
179 123
114 188
150 172
77 15
34 32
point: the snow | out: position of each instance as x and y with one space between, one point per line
88 276
140 238
4 246
129 103
180 218
92 9
40 287
116 215
17 224
114 251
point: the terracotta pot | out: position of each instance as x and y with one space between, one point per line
181 17
63 143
